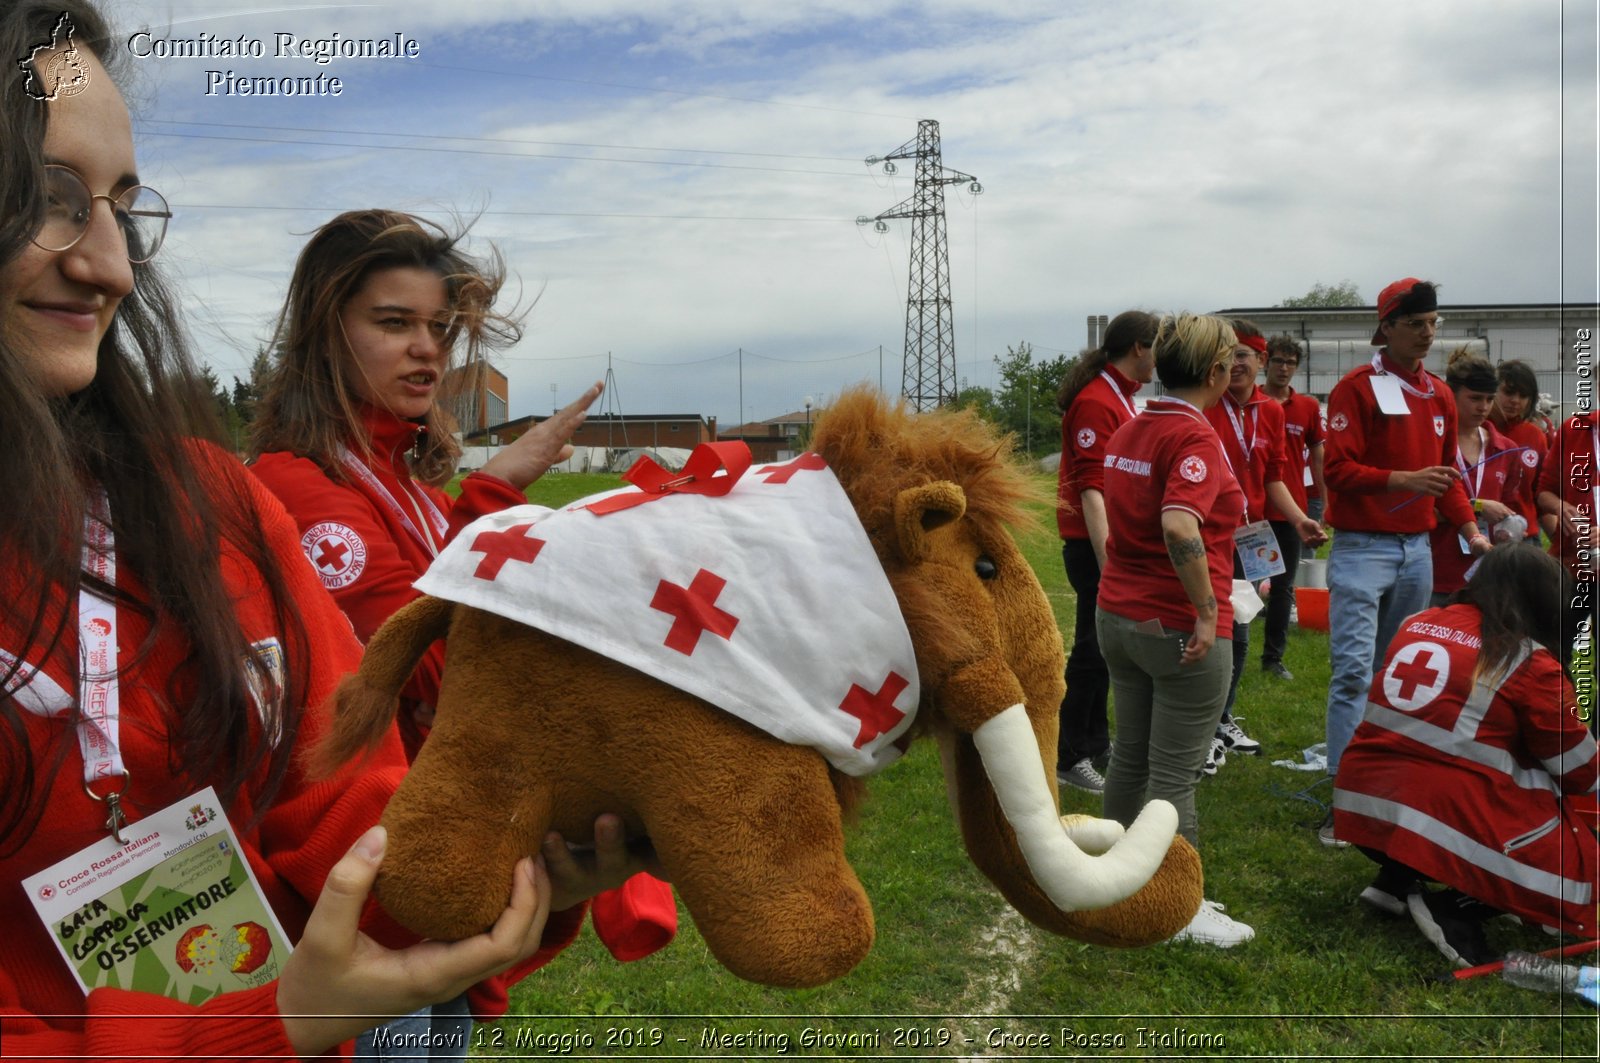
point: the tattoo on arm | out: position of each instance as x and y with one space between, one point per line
1185 550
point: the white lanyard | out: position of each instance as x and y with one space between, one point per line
1197 415
1247 448
375 486
1117 391
1377 367
1483 459
98 700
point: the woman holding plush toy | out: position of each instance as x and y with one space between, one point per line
163 653
351 438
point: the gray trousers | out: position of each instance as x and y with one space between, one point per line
1166 715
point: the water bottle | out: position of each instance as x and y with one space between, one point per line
1551 976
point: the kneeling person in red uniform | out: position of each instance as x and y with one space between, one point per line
1472 767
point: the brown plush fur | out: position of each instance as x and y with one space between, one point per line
534 733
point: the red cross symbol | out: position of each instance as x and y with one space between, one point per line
331 554
694 610
875 711
498 547
1413 674
781 474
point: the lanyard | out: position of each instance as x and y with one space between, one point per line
1483 459
98 700
1377 367
1194 411
376 488
1245 447
1117 391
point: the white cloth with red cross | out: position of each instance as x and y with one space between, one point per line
767 601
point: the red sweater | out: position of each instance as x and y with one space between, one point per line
1304 430
1569 472
1168 459
1253 438
1469 783
1497 477
1365 445
1526 433
368 546
309 826
1096 412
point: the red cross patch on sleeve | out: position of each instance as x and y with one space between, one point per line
337 553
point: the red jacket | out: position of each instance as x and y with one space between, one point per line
369 543
1253 438
1497 476
291 847
1304 429
1365 445
1529 434
1570 473
1104 405
1469 782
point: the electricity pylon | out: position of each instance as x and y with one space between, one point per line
928 379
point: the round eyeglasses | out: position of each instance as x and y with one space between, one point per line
141 212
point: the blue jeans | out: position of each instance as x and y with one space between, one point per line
437 1033
1374 582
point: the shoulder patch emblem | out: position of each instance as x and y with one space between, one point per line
1529 458
1086 437
1438 425
336 552
1192 469
1339 423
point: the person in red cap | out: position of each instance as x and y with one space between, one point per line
1390 466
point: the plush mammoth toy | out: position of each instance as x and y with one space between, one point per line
744 806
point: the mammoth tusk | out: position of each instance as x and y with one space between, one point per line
1069 877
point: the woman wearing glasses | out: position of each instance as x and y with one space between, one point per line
163 648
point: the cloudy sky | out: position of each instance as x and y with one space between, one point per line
679 180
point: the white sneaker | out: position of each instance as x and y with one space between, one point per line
1209 926
1237 741
1216 757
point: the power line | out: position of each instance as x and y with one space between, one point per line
495 140
499 154
513 213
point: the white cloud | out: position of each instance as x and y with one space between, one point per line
1161 154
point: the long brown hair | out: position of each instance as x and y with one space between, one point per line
1129 329
131 434
1522 593
309 406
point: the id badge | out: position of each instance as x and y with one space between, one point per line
175 911
1391 400
1258 551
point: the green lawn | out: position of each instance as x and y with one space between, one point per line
955 973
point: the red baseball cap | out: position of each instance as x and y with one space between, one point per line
1393 296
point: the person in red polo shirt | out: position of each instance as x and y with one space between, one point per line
1569 499
1514 415
1250 425
1096 399
1304 431
1491 471
1164 617
1391 461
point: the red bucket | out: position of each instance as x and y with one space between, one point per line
1311 605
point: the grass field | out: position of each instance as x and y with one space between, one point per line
954 973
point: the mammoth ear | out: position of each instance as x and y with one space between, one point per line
919 510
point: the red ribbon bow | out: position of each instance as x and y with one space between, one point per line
699 477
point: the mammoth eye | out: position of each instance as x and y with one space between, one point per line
985 567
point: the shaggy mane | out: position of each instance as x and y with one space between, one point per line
878 449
